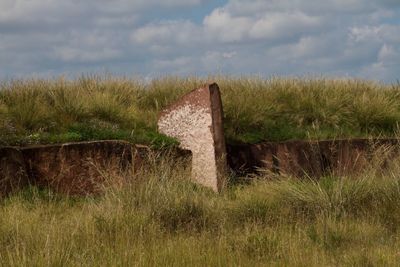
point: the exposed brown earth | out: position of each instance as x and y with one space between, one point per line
82 168
86 167
78 168
73 168
313 158
13 172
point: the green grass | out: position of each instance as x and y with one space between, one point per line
256 109
161 219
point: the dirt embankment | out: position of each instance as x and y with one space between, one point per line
314 158
73 168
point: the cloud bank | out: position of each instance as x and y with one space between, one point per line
357 38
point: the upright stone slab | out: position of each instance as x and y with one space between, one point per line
196 120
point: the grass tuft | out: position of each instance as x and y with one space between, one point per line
255 109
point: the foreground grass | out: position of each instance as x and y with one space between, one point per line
93 108
161 219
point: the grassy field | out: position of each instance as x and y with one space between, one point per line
256 109
161 219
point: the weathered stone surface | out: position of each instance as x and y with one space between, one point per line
196 120
79 168
13 175
313 158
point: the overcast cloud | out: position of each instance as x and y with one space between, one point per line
45 38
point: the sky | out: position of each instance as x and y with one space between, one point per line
149 38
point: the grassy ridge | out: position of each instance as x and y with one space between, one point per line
161 219
93 107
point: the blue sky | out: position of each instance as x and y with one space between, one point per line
149 38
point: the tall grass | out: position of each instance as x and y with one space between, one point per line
160 218
256 109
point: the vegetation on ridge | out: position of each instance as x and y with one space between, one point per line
93 107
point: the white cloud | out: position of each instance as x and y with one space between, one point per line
284 25
274 37
226 27
169 32
70 54
364 33
387 53
37 8
223 26
229 54
181 65
123 6
255 7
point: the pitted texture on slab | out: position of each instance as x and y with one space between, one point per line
191 121
192 127
186 124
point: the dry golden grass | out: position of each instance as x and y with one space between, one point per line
256 109
161 219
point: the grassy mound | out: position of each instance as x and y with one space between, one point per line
161 219
93 107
